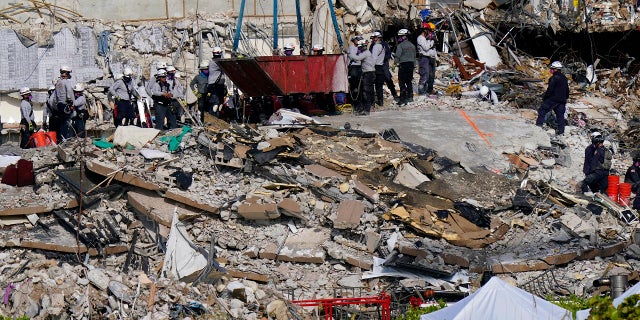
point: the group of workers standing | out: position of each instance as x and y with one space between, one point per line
369 66
65 110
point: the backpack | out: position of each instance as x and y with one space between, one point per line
608 155
387 51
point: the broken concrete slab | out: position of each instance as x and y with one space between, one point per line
158 208
348 214
180 196
305 246
324 172
290 207
119 174
365 191
349 255
259 211
409 176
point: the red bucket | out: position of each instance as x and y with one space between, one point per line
625 194
613 187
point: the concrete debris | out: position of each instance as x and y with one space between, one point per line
242 214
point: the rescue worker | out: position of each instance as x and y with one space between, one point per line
426 61
377 54
162 98
125 94
50 117
388 79
484 94
216 83
177 90
27 120
199 87
597 162
317 49
63 100
366 101
405 59
633 174
354 71
555 98
288 49
80 114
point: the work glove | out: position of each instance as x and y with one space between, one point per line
32 126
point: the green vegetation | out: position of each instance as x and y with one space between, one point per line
414 313
602 308
572 303
12 318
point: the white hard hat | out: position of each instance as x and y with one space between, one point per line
171 68
25 90
127 72
217 50
403 32
161 73
289 46
79 87
362 43
204 64
484 90
556 65
376 34
161 65
318 47
595 134
65 69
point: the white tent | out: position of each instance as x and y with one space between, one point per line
584 314
498 300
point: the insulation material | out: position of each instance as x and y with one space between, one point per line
486 52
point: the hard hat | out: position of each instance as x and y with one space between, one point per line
556 65
403 32
171 69
362 43
376 34
161 73
78 87
484 90
25 90
318 47
51 88
65 69
289 46
127 72
595 134
428 25
597 139
217 50
204 64
161 65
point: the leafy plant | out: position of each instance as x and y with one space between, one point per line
572 303
414 313
602 308
11 318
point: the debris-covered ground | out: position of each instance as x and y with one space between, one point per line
242 221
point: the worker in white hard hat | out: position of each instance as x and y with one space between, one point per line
125 95
27 120
162 99
555 98
288 49
405 58
80 113
216 86
484 94
199 85
177 90
317 49
63 100
377 53
49 115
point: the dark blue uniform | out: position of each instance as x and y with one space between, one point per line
555 98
